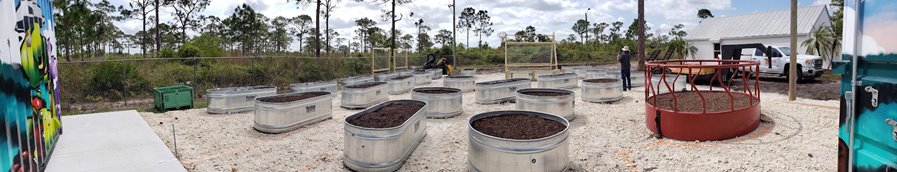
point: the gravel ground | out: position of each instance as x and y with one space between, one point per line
794 136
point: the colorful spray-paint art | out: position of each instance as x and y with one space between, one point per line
868 123
29 89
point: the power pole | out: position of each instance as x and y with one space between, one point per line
792 69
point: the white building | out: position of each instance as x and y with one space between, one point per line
768 28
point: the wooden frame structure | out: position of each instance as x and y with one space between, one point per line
392 57
551 65
374 66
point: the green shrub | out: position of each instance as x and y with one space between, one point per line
109 79
170 73
207 46
168 53
188 51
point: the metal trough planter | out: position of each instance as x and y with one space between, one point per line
580 71
551 101
236 99
602 90
383 149
401 84
363 95
326 86
491 153
677 85
437 73
595 73
355 80
468 72
286 112
560 81
465 83
422 78
443 102
499 91
386 77
638 78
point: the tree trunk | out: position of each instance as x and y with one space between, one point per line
327 26
143 37
468 38
641 35
158 34
318 28
833 54
480 40
392 38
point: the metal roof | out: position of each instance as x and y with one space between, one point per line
763 24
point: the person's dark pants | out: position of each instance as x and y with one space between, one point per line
627 81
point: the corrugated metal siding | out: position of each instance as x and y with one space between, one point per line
757 24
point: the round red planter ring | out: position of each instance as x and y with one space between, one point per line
729 108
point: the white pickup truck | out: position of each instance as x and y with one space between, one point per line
774 60
778 62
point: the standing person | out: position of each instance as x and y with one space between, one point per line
624 57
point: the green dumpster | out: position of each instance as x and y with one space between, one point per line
173 97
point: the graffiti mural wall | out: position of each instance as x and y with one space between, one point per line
868 124
29 91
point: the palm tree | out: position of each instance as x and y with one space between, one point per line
822 42
683 48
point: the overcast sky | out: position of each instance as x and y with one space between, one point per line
548 16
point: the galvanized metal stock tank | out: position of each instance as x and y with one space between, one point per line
328 86
359 97
493 92
560 81
356 80
236 99
602 92
489 153
660 84
561 105
383 149
465 83
287 116
401 86
442 105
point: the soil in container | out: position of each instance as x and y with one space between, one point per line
401 77
387 116
502 81
545 93
600 80
365 85
518 126
291 98
691 101
435 91
558 75
460 76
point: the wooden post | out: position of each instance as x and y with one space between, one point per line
792 69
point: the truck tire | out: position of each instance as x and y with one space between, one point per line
800 77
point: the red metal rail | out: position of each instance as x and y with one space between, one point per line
737 69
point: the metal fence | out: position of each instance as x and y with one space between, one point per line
120 84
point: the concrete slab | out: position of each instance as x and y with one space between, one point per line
112 141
